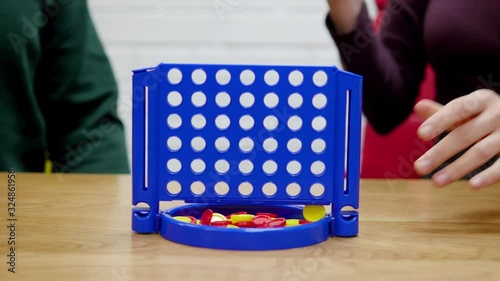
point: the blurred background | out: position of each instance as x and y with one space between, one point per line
139 34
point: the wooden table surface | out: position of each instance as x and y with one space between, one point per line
77 227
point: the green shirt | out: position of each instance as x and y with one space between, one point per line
58 95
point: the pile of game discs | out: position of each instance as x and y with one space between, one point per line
243 219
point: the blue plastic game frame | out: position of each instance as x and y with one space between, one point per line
326 109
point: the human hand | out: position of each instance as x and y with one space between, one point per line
472 120
344 14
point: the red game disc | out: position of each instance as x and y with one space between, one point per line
267 214
261 220
193 219
279 222
220 223
206 218
303 222
245 224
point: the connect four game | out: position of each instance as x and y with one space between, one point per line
254 152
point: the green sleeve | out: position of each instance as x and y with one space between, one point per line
78 94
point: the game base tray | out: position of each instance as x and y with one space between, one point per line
243 238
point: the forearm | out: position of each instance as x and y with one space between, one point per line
93 141
391 73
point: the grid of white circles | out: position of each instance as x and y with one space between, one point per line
245 189
246 145
246 123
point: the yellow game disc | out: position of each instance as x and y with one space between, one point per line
313 213
292 222
197 221
231 226
243 217
183 219
218 217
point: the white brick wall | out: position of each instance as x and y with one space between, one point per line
143 33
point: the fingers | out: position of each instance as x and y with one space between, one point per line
476 156
457 140
426 108
486 177
454 112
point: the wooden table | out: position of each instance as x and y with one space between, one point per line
77 227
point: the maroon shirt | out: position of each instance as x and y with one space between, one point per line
459 38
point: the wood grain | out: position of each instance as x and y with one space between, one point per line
77 227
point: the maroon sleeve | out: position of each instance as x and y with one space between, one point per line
392 62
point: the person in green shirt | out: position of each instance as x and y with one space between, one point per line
58 95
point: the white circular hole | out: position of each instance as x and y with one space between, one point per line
271 77
293 167
295 100
198 121
198 166
247 100
246 122
245 189
293 190
222 166
271 123
222 144
174 187
174 165
270 167
318 146
295 78
197 188
174 98
246 144
270 145
198 144
198 99
199 76
319 123
174 121
319 101
174 144
320 78
294 145
295 123
271 100
269 189
223 77
221 188
223 99
245 167
174 76
247 77
222 122
317 190
318 168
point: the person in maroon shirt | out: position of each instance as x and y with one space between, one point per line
460 39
